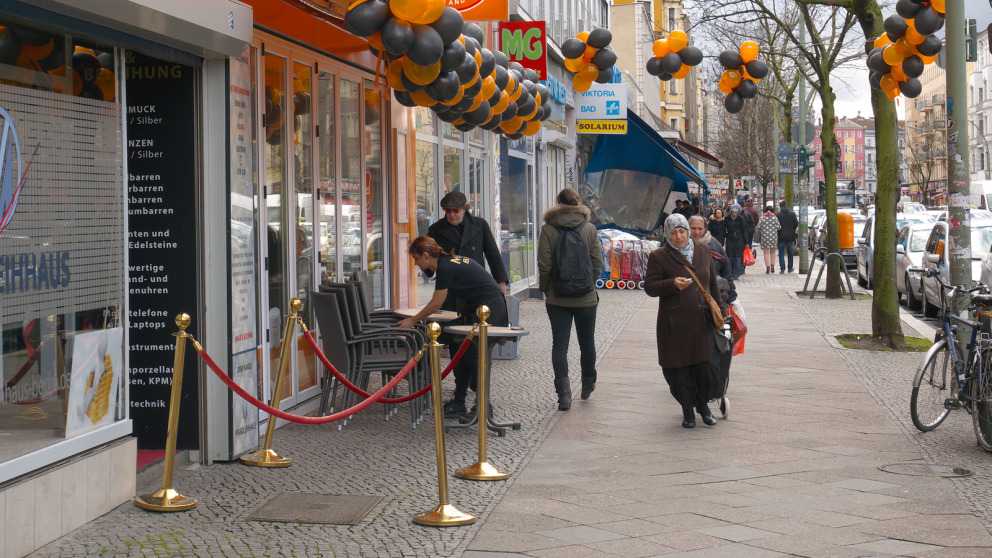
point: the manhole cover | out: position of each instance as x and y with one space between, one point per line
925 470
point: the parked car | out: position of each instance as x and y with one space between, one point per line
973 213
818 223
936 256
820 240
910 245
865 255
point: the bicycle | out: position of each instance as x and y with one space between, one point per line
970 386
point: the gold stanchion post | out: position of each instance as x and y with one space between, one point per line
482 470
444 514
167 499
267 457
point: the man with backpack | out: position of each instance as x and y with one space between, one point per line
569 260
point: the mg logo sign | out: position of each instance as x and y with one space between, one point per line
10 168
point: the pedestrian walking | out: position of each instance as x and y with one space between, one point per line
716 226
786 235
563 309
724 271
735 228
768 227
462 234
686 341
751 218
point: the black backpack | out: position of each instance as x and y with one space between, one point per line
572 271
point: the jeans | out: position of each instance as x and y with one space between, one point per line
561 330
736 265
784 247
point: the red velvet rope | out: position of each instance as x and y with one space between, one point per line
385 400
297 418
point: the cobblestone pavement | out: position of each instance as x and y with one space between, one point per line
369 456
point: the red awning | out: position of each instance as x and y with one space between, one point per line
698 153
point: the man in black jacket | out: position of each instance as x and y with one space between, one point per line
786 235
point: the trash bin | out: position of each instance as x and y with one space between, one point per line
508 350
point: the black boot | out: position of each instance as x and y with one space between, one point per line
564 391
688 418
704 411
456 407
588 385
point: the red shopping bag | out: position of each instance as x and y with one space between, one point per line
748 256
738 329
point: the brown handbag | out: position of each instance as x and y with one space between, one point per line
715 313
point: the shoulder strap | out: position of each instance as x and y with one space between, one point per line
695 280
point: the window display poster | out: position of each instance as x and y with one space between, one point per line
95 374
244 342
162 179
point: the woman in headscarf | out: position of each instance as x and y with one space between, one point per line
716 226
736 229
768 227
725 275
685 338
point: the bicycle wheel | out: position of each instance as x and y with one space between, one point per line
931 387
981 415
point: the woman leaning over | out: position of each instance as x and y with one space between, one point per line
685 338
562 310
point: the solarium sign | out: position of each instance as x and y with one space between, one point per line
10 168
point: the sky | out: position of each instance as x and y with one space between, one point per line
853 95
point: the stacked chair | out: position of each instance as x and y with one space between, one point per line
360 343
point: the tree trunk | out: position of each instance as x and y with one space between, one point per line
828 156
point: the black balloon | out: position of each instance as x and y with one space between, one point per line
473 90
501 77
488 63
444 88
605 75
539 115
671 62
927 21
543 92
526 107
599 38
301 104
397 36
367 18
519 68
872 52
409 85
874 79
731 59
32 37
528 85
448 116
465 127
427 46
665 76
453 56
930 46
878 64
467 69
546 115
573 48
56 59
734 103
756 69
105 58
403 98
501 59
513 137
470 47
654 66
912 66
463 105
911 88
511 111
531 75
494 121
449 25
91 91
478 116
895 26
604 58
691 56
86 65
940 24
10 48
907 8
470 29
747 89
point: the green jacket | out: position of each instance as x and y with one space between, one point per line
567 216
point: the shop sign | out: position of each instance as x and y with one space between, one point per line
556 88
525 42
481 10
603 101
10 169
601 126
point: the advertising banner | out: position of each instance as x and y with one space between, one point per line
481 10
525 42
601 126
603 101
97 367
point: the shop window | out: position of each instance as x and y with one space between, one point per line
452 170
62 241
451 133
327 174
375 240
424 120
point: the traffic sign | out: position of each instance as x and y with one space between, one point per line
785 158
810 132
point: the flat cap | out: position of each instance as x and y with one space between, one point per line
454 200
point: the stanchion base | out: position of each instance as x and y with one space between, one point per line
481 471
266 458
444 515
165 500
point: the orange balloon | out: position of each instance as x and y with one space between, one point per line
937 5
725 86
587 58
898 73
375 41
660 48
393 73
928 59
84 49
421 75
574 64
488 87
510 86
582 36
504 101
532 127
408 10
477 102
422 98
457 99
590 52
733 78
891 55
887 82
903 46
749 51
881 41
531 114
683 71
913 36
589 72
580 84
507 126
515 94
677 40
431 13
478 57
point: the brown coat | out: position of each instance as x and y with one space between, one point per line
683 338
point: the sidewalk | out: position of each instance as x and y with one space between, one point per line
793 471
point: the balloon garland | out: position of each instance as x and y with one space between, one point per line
673 58
899 55
589 58
92 70
435 59
740 78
